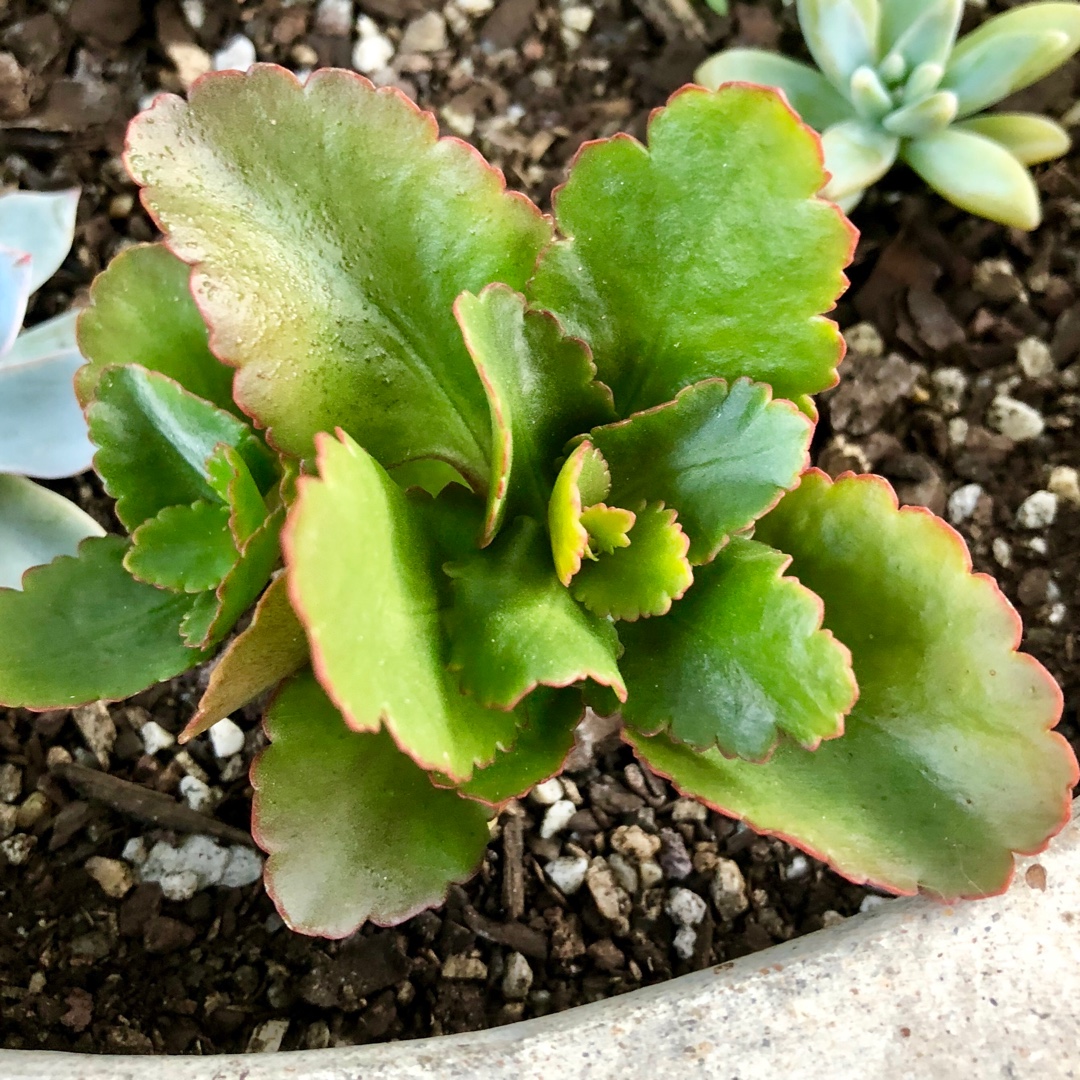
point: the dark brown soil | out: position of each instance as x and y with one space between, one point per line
82 971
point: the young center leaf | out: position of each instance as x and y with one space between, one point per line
514 627
83 628
362 578
582 483
720 456
354 830
367 227
739 661
947 765
541 392
185 548
672 279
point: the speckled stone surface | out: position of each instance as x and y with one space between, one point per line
911 989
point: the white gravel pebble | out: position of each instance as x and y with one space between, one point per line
1002 551
686 908
577 18
962 502
135 851
475 8
114 877
557 818
196 794
427 34
237 55
650 872
689 810
201 856
624 870
97 729
244 867
10 782
268 1037
548 793
1035 359
334 17
634 842
1015 419
1057 613
1037 511
864 339
373 49
195 13
179 885
950 384
1064 482
798 868
728 890
155 737
518 978
16 849
8 819
227 738
872 901
567 873
610 898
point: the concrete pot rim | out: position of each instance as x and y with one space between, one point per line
916 986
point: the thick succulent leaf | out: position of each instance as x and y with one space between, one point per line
840 34
946 765
978 175
740 661
83 629
540 390
428 475
513 626
644 578
231 479
857 155
155 439
671 280
810 94
362 580
607 527
583 480
921 118
14 293
42 428
720 456
272 647
36 525
354 830
367 228
541 748
55 335
142 312
921 31
1011 51
1030 138
186 548
42 224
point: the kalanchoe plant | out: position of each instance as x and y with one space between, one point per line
509 464
42 430
894 83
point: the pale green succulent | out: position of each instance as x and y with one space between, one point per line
896 84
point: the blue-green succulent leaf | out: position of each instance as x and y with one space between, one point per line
1030 138
841 35
41 224
857 154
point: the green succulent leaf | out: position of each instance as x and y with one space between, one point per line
428 475
542 746
857 154
583 481
840 34
541 392
362 580
671 280
514 627
155 439
1030 138
272 647
1011 51
36 525
978 175
329 811
810 94
141 312
921 118
184 548
740 661
367 227
921 31
607 527
719 455
644 578
946 765
83 629
231 479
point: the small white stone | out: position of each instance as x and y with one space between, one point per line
8 819
651 873
191 63
244 867
962 502
195 13
460 123
1015 419
191 766
958 431
577 18
571 790
634 842
36 983
1002 551
871 901
610 898
16 849
114 877
198 855
1038 545
1064 482
267 1037
155 737
864 339
567 873
373 49
97 729
135 851
798 868
685 941
548 793
518 978
728 890
427 34
1057 613
179 885
196 794
1037 511
10 782
950 384
464 967
232 769
686 908
625 873
689 810
557 818
57 755
237 55
475 8
1035 358
334 17
227 738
